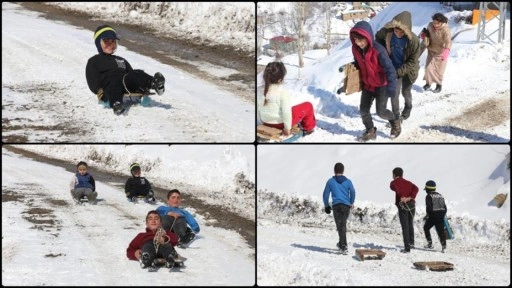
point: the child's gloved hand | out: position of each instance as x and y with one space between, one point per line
328 209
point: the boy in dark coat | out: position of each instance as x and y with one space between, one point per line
403 48
436 211
378 77
154 243
405 193
109 76
138 186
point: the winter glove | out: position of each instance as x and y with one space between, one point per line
446 51
328 209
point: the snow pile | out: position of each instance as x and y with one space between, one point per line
225 23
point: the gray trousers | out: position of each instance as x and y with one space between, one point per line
179 226
404 85
79 193
381 100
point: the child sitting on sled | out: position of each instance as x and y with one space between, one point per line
154 243
110 77
138 186
82 184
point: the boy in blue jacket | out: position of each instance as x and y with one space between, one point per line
83 185
177 219
343 196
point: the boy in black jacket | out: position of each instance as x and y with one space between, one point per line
109 76
436 211
138 186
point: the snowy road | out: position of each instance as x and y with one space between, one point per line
308 257
45 97
67 244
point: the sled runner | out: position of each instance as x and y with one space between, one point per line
448 229
434 266
377 254
271 134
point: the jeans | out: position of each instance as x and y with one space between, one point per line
406 215
405 85
341 213
381 101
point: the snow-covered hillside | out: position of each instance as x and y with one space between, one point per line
474 105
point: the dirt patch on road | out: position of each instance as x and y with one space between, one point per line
489 113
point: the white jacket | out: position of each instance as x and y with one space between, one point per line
278 109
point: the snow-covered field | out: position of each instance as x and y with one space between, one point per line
297 240
474 105
49 241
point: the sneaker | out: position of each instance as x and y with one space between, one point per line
438 89
369 134
186 239
308 132
405 250
118 108
158 83
411 246
444 249
426 87
144 260
429 246
170 261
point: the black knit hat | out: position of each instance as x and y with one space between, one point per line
430 185
104 32
133 167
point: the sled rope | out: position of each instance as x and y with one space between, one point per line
160 233
405 207
124 84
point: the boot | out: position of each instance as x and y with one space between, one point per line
438 88
158 83
429 245
369 134
426 87
396 128
118 108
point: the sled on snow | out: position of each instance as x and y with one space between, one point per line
132 98
271 134
434 266
374 253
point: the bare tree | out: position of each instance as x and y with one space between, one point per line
328 6
301 12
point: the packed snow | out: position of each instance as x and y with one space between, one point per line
48 241
474 105
45 97
297 239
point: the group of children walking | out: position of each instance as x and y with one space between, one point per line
342 193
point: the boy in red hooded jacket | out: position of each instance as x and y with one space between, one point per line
378 78
154 243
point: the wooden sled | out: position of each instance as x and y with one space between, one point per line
375 253
434 266
500 199
271 134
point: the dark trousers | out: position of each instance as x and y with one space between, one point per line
406 214
132 194
135 81
405 85
179 226
341 213
437 221
164 250
381 101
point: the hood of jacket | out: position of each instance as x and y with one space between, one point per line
363 28
340 178
402 21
